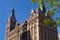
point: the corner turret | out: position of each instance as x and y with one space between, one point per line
41 10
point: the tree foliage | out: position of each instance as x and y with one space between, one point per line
53 6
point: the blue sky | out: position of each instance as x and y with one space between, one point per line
22 11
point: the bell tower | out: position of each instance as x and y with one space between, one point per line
12 20
10 23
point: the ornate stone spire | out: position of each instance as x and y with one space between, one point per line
33 12
12 16
12 12
41 10
42 7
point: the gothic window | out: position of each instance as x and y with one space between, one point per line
32 30
41 32
31 33
12 26
24 36
35 32
35 29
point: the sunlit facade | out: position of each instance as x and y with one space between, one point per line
32 28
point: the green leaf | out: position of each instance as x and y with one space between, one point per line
56 4
48 21
47 6
51 12
46 0
40 3
58 21
34 1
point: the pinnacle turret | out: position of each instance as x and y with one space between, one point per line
42 7
33 11
12 13
41 10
